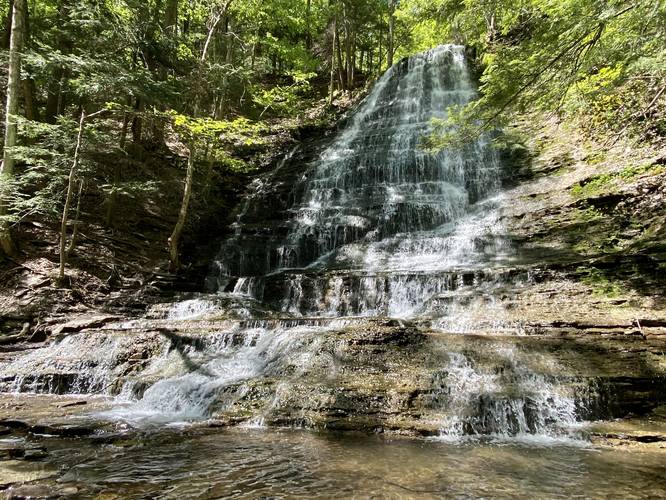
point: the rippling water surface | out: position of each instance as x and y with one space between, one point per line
254 463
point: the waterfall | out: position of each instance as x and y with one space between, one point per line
372 265
390 218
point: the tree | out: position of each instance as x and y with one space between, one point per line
11 110
598 63
391 28
223 60
64 250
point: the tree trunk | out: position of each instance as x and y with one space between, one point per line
174 240
380 54
331 87
55 99
68 198
361 60
70 193
29 99
308 25
341 77
137 121
348 52
28 85
117 169
7 32
11 109
77 216
213 27
222 108
491 30
171 16
389 40
352 61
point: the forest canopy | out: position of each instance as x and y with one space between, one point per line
201 80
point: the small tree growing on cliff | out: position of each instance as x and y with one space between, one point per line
206 140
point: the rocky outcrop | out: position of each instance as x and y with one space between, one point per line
370 375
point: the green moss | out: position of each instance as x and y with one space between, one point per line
601 284
590 214
596 158
592 187
609 182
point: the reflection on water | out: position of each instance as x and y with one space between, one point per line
286 464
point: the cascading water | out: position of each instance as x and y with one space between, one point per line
337 302
380 228
392 220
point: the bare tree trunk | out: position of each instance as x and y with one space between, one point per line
380 54
68 198
213 27
171 16
11 109
352 61
13 82
361 60
137 121
341 78
28 85
253 57
77 215
55 99
308 24
389 40
7 32
348 51
491 31
331 87
70 193
174 240
223 105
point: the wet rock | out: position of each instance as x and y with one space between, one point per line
39 335
11 450
29 491
14 424
385 332
68 491
63 430
35 453
84 322
69 404
11 339
17 472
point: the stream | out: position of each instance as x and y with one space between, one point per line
359 338
251 463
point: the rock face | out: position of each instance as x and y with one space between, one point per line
365 374
371 285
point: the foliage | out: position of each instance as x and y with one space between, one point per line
212 138
207 72
601 284
210 75
601 62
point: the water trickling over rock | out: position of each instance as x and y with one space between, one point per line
377 225
352 295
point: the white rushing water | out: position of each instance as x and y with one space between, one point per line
377 227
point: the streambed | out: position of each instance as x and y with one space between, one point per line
284 463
